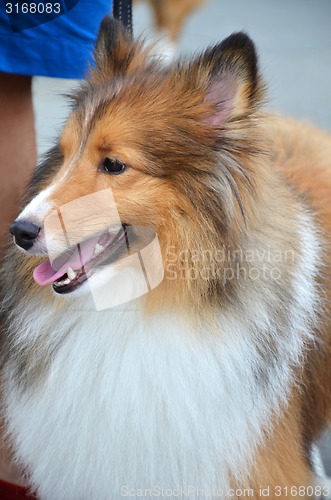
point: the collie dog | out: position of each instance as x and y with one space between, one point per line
166 307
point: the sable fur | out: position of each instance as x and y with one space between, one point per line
207 170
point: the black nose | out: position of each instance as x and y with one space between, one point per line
24 232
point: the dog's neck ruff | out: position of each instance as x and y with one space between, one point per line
132 403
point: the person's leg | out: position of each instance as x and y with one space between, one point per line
9 470
17 144
17 159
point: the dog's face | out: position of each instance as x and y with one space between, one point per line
145 146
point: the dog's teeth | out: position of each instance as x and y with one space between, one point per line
71 274
98 248
64 282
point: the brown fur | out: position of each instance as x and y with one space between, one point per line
304 160
281 463
302 156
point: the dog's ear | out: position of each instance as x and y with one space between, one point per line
115 49
229 77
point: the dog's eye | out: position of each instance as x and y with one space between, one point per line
112 166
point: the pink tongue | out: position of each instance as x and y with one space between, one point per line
48 272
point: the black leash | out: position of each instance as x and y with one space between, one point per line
122 10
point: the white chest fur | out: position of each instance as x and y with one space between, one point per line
130 403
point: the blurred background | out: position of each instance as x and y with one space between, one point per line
293 38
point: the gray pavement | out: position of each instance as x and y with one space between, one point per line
293 38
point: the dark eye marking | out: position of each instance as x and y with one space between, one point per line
109 166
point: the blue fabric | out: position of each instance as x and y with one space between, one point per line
60 48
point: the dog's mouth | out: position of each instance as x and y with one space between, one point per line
71 269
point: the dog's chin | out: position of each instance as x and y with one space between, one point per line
81 287
119 283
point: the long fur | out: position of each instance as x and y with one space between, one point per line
219 377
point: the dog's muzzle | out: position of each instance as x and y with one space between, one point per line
25 233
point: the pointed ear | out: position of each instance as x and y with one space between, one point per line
229 76
115 49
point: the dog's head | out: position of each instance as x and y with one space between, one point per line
170 148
